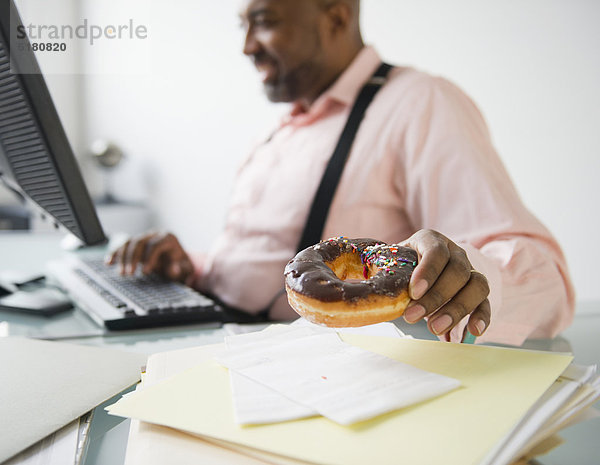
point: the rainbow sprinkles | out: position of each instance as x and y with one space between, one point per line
380 256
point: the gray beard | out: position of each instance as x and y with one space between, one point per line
294 84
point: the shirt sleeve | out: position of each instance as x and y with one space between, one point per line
455 183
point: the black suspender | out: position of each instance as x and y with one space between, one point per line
313 229
333 172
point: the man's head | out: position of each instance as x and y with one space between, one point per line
300 46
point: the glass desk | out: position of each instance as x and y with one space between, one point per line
26 252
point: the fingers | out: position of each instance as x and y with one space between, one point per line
130 254
453 278
466 302
166 246
434 254
115 255
118 255
135 253
480 319
166 256
444 288
122 257
156 253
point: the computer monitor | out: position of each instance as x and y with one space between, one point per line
36 159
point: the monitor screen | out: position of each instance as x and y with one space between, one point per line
36 159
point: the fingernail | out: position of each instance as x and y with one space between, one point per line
441 324
480 325
418 289
414 313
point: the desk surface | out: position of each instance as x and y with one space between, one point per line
29 252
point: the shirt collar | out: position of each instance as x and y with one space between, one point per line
348 85
343 91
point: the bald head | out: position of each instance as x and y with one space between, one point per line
351 14
351 3
354 4
300 47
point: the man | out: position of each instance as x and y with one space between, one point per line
422 172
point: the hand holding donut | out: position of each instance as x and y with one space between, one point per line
355 282
444 287
155 253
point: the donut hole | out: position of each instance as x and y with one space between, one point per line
348 267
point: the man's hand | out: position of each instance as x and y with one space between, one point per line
444 287
155 253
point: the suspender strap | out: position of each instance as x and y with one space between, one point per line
317 216
315 223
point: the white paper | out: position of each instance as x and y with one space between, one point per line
56 449
385 329
255 403
339 381
270 336
232 329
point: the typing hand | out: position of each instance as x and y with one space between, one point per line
155 253
444 287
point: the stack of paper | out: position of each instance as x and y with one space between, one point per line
503 403
563 404
296 372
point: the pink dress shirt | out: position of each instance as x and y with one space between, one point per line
422 159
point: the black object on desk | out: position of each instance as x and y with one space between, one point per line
44 301
7 288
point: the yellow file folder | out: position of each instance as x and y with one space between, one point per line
498 386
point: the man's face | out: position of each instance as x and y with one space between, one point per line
283 40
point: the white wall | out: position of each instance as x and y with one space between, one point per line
533 67
186 105
186 120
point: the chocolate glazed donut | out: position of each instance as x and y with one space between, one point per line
350 282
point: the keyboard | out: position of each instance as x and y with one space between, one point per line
129 302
